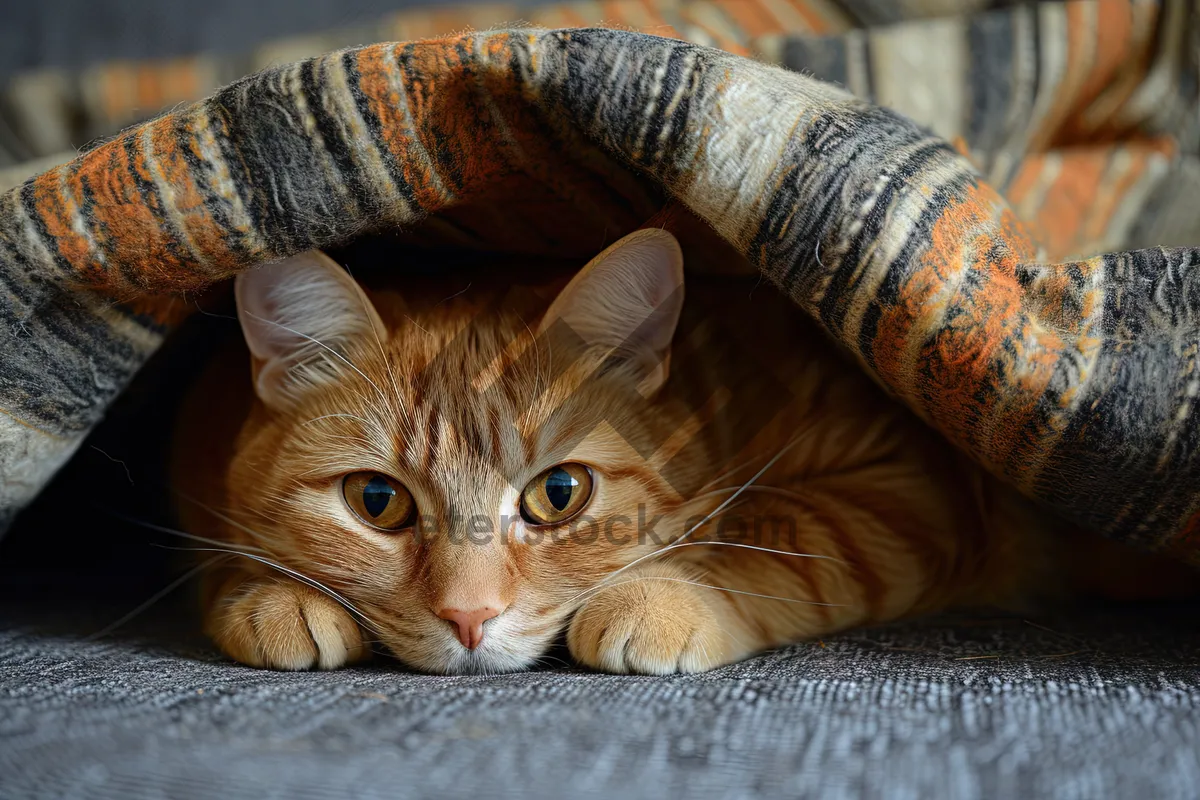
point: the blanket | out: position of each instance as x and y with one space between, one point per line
1070 375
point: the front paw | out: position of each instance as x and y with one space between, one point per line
282 624
653 625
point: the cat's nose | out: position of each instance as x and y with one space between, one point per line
469 624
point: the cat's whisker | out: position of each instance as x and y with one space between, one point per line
732 471
226 518
707 655
336 416
321 344
760 488
744 488
342 601
708 517
540 382
772 550
154 598
361 441
277 516
545 661
367 313
175 532
729 632
638 578
225 547
789 493
707 495
370 427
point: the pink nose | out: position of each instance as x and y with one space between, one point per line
469 624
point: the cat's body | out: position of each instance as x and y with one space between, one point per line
750 490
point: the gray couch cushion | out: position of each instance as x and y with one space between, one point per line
1079 707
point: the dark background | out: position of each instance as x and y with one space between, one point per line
86 535
69 33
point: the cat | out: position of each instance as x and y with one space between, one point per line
462 477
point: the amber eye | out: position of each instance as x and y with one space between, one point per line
557 494
379 501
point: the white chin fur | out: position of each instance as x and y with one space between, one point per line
482 662
500 651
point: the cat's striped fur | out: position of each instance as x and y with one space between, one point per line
767 492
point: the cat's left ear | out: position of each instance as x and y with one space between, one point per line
302 318
627 301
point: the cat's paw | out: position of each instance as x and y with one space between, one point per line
644 624
282 624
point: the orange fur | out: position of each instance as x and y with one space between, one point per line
460 401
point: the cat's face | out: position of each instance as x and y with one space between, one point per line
464 472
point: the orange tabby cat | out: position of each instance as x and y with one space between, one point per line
462 478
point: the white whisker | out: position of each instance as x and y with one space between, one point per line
225 547
756 488
757 547
725 504
321 344
154 598
292 573
383 355
336 416
540 383
731 471
174 532
638 578
419 325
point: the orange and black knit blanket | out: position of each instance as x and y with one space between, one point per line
1075 379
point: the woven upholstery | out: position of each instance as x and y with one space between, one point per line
1073 380
960 709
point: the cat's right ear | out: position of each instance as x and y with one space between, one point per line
301 318
626 302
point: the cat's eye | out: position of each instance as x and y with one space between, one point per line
557 494
379 501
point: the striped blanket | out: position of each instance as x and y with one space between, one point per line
1070 374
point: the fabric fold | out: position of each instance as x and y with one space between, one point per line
1074 381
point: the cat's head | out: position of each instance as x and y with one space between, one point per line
464 471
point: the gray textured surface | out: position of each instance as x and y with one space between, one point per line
1096 706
